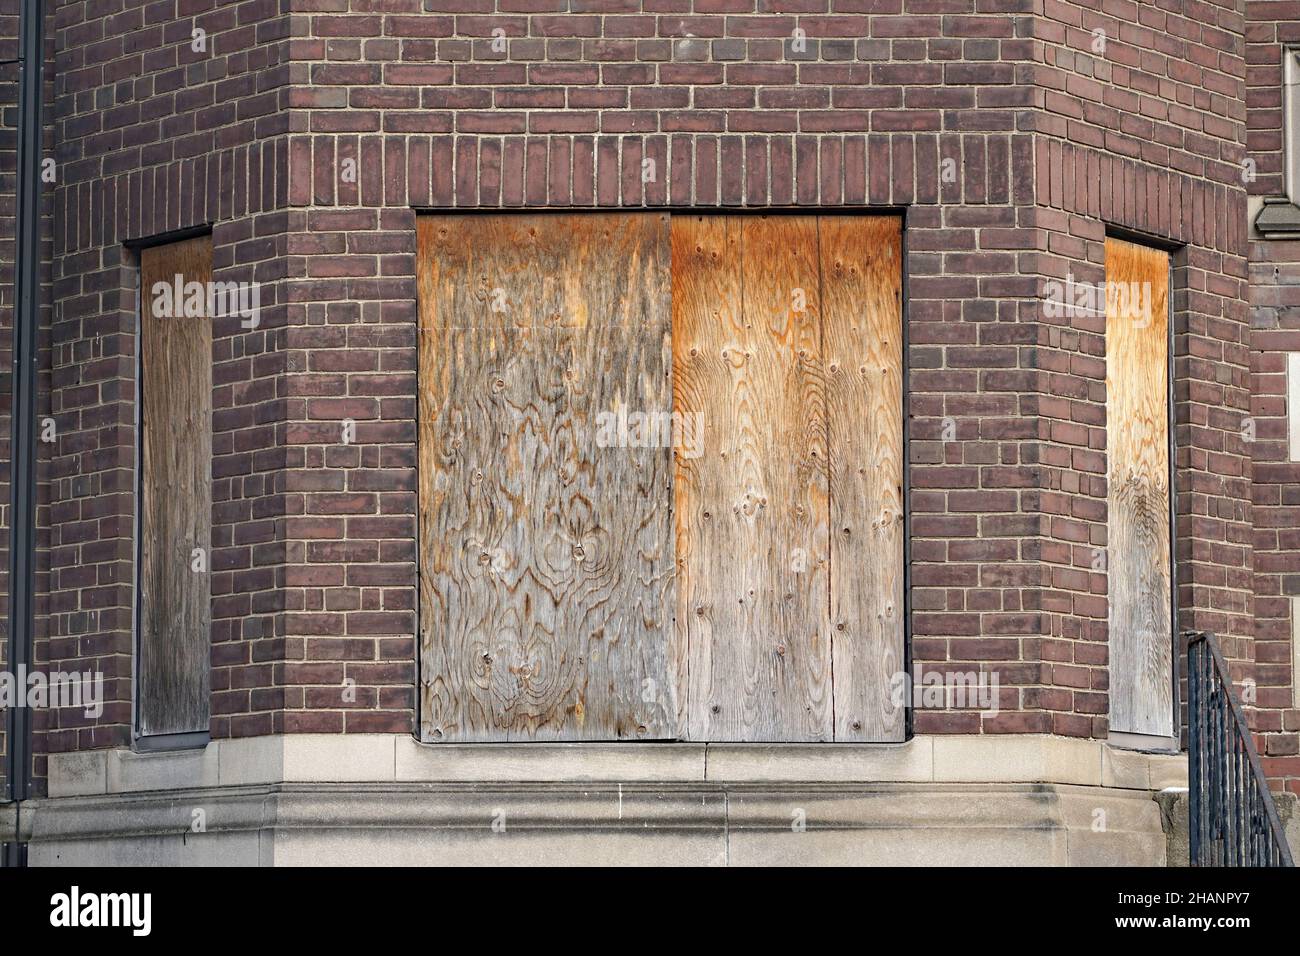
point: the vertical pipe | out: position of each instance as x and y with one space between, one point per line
22 502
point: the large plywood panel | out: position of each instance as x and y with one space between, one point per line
176 494
545 532
1137 451
751 511
862 316
787 343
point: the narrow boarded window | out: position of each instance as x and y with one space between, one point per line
1139 558
660 486
175 487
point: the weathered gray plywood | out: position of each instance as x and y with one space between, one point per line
1137 453
547 561
545 543
862 317
176 496
752 509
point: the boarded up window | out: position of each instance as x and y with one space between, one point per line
1137 450
660 477
175 488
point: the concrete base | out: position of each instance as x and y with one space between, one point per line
1174 805
384 800
1175 808
350 824
1288 811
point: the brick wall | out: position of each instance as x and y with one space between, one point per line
1142 129
155 136
1009 139
1275 330
886 104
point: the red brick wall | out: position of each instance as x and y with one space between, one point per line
1142 129
1275 322
715 95
154 137
1008 141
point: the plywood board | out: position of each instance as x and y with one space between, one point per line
753 597
787 344
1137 452
545 532
862 316
549 606
176 492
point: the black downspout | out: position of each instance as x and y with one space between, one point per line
22 502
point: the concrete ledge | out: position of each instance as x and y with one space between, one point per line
910 762
619 824
542 761
399 758
384 799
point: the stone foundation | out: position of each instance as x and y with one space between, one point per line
388 800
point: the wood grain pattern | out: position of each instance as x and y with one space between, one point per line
752 510
1137 447
176 497
546 559
862 315
787 341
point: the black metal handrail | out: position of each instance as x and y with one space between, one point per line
1233 817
